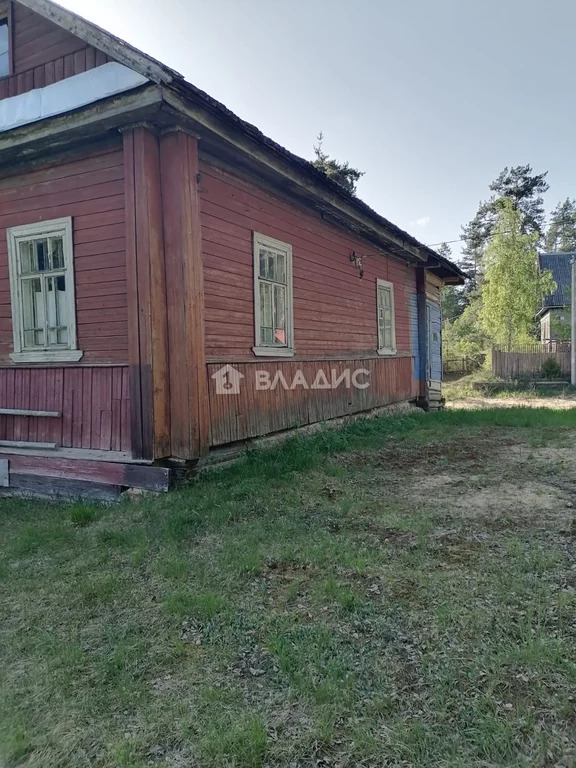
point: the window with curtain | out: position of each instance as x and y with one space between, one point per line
42 291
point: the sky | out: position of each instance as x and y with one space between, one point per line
431 98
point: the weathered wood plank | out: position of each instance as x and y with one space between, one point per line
301 396
57 487
136 426
185 281
20 412
113 473
26 444
148 346
64 406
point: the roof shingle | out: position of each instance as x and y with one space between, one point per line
560 265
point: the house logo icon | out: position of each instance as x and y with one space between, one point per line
227 380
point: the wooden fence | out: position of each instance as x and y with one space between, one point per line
460 366
527 359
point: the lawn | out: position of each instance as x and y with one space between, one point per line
398 592
482 386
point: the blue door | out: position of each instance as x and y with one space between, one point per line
434 332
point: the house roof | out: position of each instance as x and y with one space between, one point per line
559 264
162 75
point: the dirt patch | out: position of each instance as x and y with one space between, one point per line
527 500
442 480
562 456
461 452
393 536
499 504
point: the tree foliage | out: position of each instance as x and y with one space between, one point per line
513 286
444 250
561 235
342 173
465 336
453 296
523 189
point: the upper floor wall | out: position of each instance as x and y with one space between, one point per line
41 53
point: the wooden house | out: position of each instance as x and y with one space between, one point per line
172 280
554 314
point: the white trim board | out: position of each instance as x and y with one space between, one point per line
66 95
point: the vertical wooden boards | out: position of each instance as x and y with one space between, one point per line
147 330
91 401
422 329
275 395
42 53
185 290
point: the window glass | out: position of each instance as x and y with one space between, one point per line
4 48
386 330
41 263
44 305
272 289
273 299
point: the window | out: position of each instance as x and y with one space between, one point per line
386 319
273 297
42 292
4 48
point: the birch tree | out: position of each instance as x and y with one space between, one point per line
513 287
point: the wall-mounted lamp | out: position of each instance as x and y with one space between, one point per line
358 262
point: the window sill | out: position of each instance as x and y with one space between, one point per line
45 356
386 352
273 351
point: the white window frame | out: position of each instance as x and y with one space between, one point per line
382 350
62 227
273 350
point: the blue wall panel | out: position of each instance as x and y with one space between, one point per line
415 346
435 341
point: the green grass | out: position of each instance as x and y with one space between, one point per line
314 604
483 384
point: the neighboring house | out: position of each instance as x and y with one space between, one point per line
554 315
171 279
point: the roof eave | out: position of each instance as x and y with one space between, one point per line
214 116
206 116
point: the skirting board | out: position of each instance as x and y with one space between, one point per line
55 470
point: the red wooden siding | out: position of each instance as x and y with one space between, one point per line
43 53
334 310
94 403
335 319
257 411
91 190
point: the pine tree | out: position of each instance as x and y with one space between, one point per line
342 173
444 250
524 190
561 235
513 286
